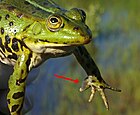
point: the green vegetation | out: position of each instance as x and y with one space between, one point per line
116 50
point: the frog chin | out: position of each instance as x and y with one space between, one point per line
50 48
57 51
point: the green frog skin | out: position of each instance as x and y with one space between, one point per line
32 31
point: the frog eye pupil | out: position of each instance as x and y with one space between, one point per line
54 23
54 20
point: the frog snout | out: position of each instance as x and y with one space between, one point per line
85 33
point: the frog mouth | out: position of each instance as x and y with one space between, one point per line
46 43
41 46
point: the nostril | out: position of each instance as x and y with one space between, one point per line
76 28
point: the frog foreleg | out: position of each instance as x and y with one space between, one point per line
16 83
94 79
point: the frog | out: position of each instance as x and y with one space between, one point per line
33 31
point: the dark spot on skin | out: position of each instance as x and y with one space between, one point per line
55 42
44 40
28 62
64 43
18 82
81 34
38 9
101 87
8 100
26 27
26 3
13 56
14 108
77 41
19 111
22 44
15 31
7 48
2 30
19 15
22 71
33 12
58 8
72 42
0 18
86 26
36 41
18 62
45 3
7 39
10 8
1 45
93 81
7 16
2 54
15 45
11 23
18 95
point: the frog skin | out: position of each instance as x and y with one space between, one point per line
32 31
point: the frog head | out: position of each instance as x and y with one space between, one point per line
63 28
68 28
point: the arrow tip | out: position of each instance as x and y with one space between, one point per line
76 81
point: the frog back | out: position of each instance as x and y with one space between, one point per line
38 8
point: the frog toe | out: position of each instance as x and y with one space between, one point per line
99 86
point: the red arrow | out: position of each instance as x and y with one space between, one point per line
62 77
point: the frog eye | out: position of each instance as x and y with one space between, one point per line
76 14
83 14
54 23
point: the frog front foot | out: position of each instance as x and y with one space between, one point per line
96 85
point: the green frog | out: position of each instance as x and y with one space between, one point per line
32 31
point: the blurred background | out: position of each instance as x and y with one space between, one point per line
115 49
